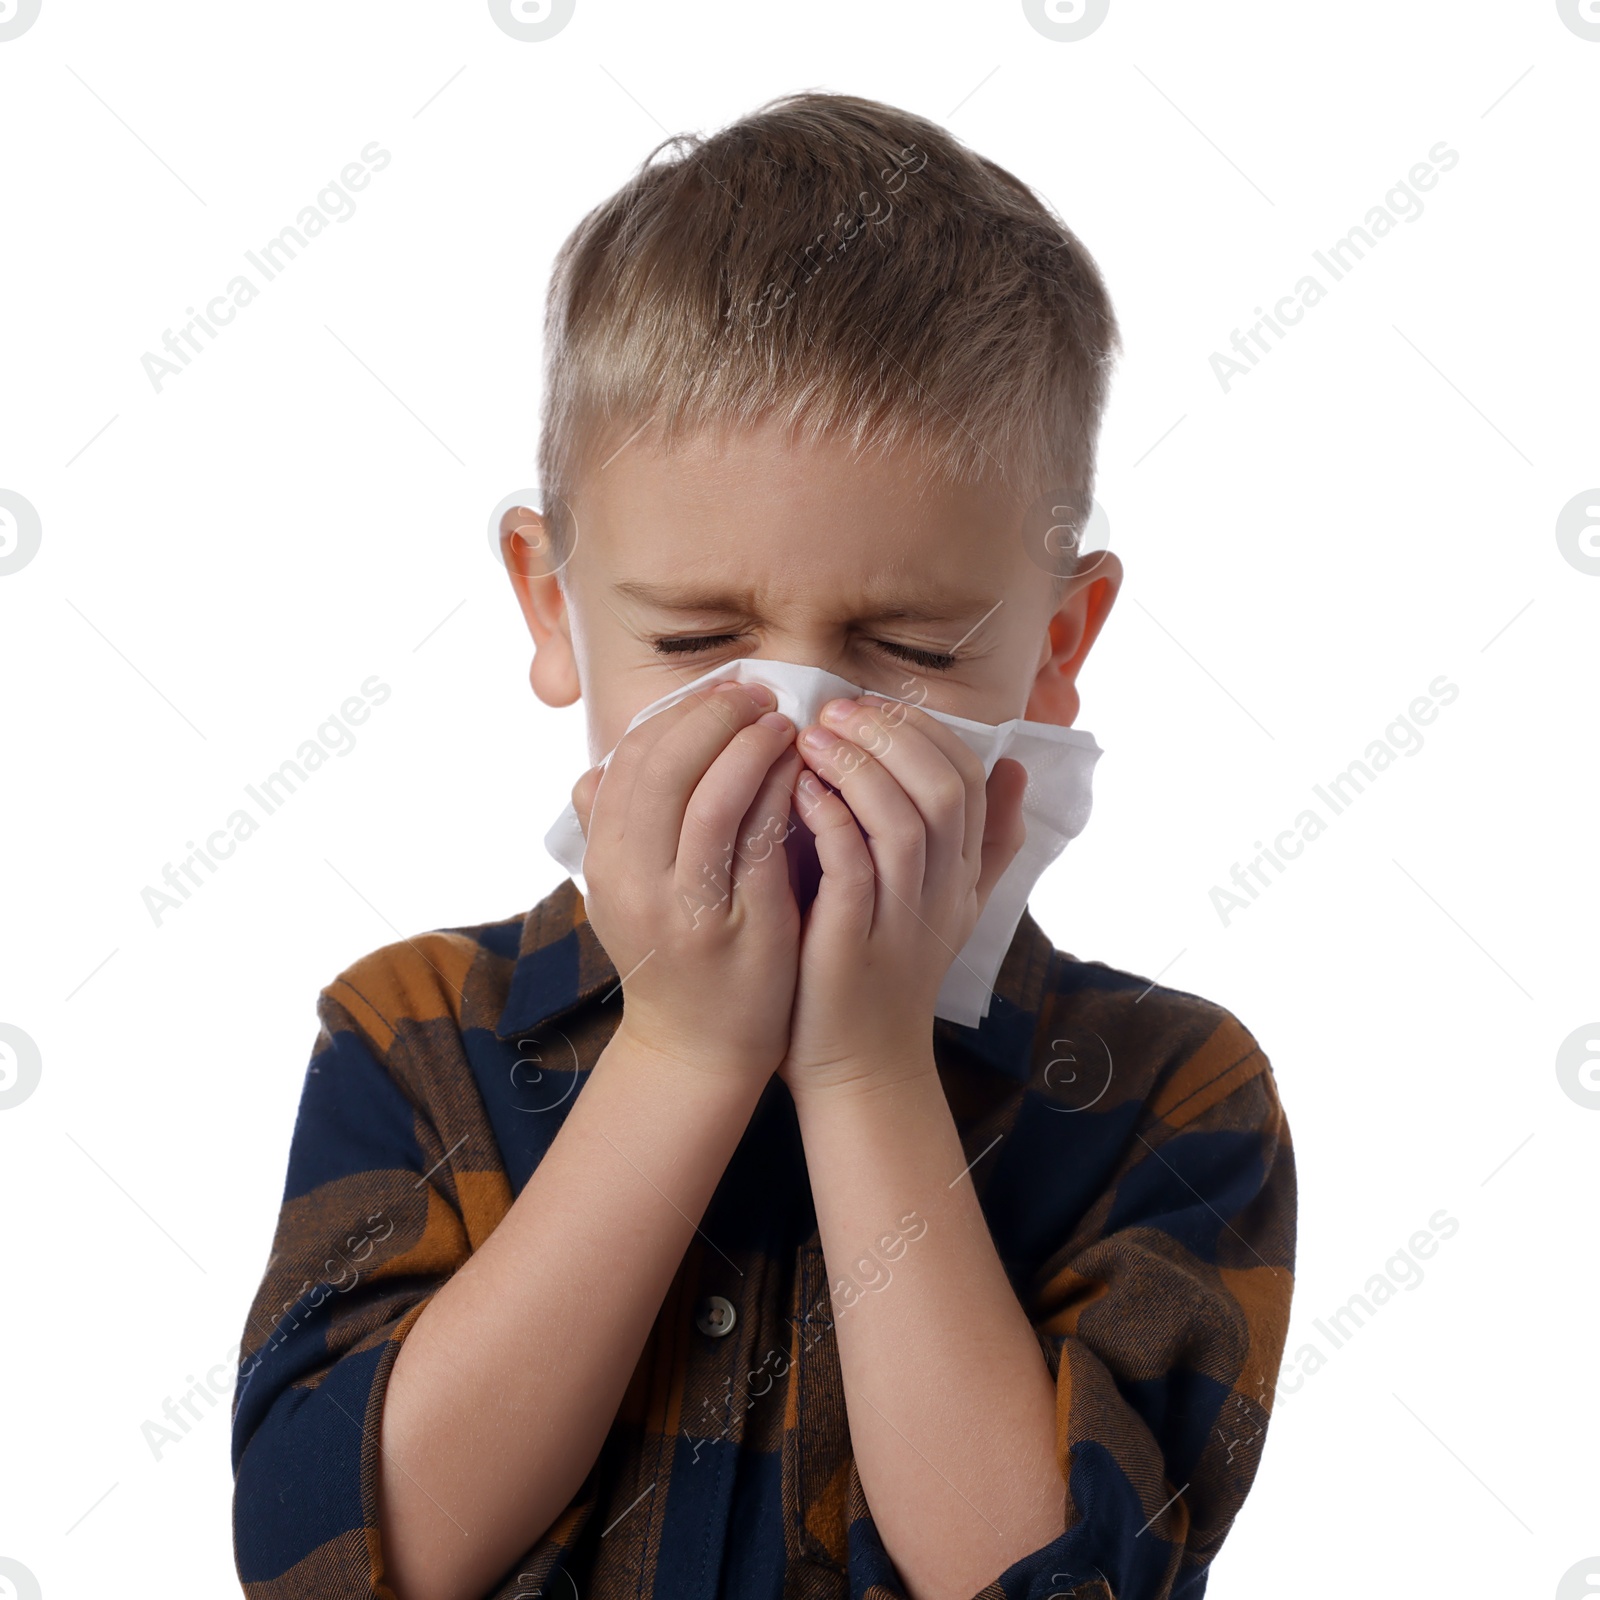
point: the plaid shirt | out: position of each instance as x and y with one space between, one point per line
1132 1161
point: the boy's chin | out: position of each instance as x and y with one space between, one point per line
805 871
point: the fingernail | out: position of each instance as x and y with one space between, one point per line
773 719
817 738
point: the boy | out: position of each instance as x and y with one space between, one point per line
626 1250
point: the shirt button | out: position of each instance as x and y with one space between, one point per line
716 1316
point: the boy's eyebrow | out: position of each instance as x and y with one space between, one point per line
677 597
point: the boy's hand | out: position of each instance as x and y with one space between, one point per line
895 907
688 878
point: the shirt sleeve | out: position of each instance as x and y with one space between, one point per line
370 1228
1163 1321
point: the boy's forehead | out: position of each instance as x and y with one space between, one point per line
764 463
674 525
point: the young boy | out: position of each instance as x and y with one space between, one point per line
663 1243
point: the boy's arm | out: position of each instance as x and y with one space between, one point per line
952 1408
504 1392
493 1374
1138 1379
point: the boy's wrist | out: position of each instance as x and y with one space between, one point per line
881 1078
689 1064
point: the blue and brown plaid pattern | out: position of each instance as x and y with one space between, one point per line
1132 1160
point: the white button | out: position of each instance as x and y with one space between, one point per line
716 1316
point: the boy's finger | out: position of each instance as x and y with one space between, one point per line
897 835
583 793
762 856
914 766
1003 827
631 754
848 891
663 778
714 816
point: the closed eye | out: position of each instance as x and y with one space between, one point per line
930 660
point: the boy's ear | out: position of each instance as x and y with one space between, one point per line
524 545
1086 601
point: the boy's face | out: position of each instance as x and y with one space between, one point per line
758 547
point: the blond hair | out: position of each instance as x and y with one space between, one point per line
849 268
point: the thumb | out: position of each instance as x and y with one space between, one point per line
583 793
1003 827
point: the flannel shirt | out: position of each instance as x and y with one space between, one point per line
1132 1161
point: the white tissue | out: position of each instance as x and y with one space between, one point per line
1055 806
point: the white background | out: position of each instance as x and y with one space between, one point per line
1374 505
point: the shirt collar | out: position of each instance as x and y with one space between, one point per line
561 965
